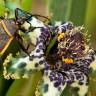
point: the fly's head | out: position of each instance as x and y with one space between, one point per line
26 21
23 19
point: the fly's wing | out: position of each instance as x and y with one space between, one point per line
7 30
4 38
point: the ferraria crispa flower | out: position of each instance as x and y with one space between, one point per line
69 60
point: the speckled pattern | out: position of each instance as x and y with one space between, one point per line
56 78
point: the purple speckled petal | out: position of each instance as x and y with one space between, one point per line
51 84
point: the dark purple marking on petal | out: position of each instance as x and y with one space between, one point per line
31 57
78 76
69 26
36 64
42 37
46 88
80 83
59 88
41 47
22 65
63 29
42 29
41 62
46 67
38 50
44 34
57 84
51 78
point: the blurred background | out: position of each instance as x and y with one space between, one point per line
80 12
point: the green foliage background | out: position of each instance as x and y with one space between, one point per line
80 12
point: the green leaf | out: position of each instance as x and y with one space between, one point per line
68 10
59 9
24 87
52 42
90 21
11 5
67 92
27 5
92 82
78 11
2 8
4 85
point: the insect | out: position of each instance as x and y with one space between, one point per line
70 66
9 29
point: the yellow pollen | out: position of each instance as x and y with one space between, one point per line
67 60
61 35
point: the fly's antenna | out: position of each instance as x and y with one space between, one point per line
37 15
32 29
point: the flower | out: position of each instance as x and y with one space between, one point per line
68 62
